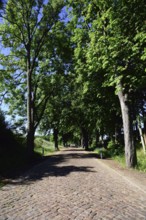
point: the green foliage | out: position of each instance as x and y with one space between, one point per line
75 66
141 160
115 149
112 150
109 51
141 165
29 30
120 157
43 147
102 153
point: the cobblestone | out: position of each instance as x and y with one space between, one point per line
72 185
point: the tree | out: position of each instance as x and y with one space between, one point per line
126 65
57 113
28 27
111 44
59 82
90 89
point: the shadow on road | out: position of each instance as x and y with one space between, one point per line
55 165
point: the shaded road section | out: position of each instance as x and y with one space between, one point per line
72 185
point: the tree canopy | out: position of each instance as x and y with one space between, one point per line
76 67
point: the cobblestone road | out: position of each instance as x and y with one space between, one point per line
72 185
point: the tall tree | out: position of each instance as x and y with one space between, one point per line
112 37
127 67
27 28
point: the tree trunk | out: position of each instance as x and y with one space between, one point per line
30 143
30 116
136 133
55 133
85 139
64 140
97 139
130 150
144 129
81 141
142 138
141 133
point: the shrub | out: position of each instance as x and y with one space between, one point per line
115 149
141 165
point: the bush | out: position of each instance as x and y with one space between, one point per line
115 149
141 165
112 150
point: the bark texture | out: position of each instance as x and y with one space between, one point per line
130 150
30 113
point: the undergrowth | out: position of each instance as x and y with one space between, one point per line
141 165
43 147
116 152
13 156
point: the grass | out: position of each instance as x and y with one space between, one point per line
141 161
102 152
44 147
120 157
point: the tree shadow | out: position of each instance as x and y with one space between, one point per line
79 153
54 166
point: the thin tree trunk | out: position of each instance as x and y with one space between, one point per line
130 150
144 129
141 136
82 142
30 143
97 138
85 139
137 137
64 140
30 116
55 133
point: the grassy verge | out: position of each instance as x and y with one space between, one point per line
118 155
44 147
120 159
141 160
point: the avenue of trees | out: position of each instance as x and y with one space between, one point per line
77 68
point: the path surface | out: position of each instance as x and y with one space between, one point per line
72 185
